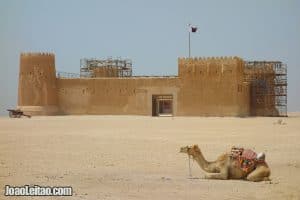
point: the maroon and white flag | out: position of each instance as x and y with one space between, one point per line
192 29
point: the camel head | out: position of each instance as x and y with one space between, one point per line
184 149
190 150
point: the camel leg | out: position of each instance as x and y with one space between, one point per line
211 168
223 175
261 173
220 176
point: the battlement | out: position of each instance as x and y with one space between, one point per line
29 60
195 60
37 54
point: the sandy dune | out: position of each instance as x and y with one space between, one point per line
131 157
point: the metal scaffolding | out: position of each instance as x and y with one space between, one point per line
70 75
268 86
88 66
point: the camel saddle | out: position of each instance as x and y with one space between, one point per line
246 158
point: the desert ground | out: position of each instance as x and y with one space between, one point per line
136 157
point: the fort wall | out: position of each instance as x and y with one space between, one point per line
123 96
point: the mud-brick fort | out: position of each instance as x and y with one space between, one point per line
223 86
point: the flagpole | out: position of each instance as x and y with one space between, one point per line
192 29
189 43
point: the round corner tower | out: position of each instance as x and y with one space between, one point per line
37 93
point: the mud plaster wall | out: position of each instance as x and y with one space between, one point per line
128 96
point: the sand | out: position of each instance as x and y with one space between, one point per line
133 157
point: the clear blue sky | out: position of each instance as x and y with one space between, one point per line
152 33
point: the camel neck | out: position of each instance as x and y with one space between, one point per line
204 164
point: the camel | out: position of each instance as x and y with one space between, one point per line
225 167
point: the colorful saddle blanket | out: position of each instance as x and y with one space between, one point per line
246 158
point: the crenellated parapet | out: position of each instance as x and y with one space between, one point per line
37 54
37 59
208 59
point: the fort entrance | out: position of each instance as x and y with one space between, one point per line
162 105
